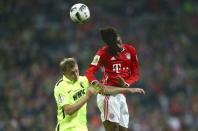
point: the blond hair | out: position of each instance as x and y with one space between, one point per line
67 63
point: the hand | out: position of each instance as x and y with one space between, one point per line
137 90
121 82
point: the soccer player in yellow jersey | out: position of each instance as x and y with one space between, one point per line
72 92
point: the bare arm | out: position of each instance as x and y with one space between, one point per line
110 90
70 109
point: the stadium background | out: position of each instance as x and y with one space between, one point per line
36 34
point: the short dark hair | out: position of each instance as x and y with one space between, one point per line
67 63
109 35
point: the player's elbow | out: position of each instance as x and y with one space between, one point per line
70 113
68 110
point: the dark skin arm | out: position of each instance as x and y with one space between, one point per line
112 90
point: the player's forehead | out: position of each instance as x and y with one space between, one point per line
71 65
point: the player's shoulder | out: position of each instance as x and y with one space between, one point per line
129 46
83 81
59 84
83 78
103 49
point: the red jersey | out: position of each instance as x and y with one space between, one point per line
124 64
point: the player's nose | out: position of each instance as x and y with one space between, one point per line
74 71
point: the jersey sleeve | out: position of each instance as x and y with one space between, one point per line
134 67
94 66
62 97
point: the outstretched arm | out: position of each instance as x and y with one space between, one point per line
110 90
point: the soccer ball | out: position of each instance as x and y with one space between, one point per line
79 13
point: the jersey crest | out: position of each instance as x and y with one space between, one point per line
60 99
95 60
128 56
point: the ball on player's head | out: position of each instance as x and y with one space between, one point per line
79 13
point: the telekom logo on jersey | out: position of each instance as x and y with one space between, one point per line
116 67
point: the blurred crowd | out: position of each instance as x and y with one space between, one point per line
36 34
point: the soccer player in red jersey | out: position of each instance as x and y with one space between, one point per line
119 65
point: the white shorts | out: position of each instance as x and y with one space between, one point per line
114 108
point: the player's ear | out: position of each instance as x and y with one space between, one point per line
119 39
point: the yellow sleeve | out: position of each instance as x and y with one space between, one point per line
62 97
